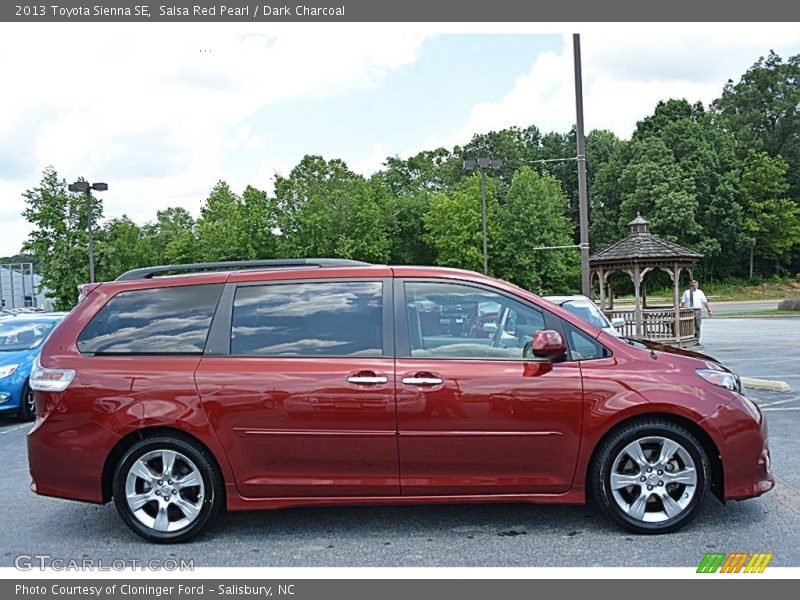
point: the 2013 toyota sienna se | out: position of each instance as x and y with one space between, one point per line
271 384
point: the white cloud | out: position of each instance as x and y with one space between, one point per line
373 161
627 69
155 110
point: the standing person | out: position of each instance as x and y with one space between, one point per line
695 299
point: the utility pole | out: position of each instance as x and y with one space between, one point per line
482 164
83 186
583 202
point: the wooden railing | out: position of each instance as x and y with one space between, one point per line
658 324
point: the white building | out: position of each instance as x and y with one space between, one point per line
20 286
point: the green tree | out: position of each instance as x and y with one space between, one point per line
171 225
453 225
408 242
655 186
59 241
233 227
430 170
761 111
515 146
705 152
771 220
259 223
534 216
121 245
326 210
606 158
220 228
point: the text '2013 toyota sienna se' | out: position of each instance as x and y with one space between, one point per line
322 382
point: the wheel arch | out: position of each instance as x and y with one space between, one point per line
710 447
127 441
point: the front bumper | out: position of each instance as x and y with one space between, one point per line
11 391
740 433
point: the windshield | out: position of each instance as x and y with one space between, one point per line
23 335
588 312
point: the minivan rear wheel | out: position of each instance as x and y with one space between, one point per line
168 489
650 476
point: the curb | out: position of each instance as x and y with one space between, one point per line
766 384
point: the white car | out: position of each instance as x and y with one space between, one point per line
587 310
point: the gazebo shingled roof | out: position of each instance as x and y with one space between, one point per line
642 245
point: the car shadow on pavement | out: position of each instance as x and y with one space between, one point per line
432 535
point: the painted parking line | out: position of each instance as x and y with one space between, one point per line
781 409
778 402
17 428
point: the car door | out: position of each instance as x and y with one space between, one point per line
475 416
301 394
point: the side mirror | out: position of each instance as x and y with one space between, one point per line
548 344
618 323
490 327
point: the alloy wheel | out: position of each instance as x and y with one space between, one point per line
164 490
653 479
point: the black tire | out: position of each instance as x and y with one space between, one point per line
27 407
599 477
211 501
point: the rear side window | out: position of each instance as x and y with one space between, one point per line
171 320
309 319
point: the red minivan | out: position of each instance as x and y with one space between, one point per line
269 384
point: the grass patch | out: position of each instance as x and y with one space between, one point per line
760 313
773 289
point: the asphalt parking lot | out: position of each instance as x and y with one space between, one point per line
479 535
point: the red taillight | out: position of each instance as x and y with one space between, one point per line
49 380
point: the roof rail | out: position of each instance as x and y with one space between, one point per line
149 272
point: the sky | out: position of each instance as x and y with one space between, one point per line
161 112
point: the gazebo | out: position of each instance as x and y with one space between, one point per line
640 255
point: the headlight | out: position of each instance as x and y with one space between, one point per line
723 379
7 370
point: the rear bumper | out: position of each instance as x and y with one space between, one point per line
66 460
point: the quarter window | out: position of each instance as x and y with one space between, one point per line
170 320
309 319
582 346
458 321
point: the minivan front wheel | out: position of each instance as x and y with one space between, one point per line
651 476
167 489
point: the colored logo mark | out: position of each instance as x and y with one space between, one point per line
735 562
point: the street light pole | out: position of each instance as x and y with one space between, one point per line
89 219
483 221
83 186
583 202
482 164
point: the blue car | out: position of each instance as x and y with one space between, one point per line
21 339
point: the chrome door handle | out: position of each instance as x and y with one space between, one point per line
370 379
422 380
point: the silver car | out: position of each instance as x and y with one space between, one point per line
587 310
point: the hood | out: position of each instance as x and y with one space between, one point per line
17 357
667 349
